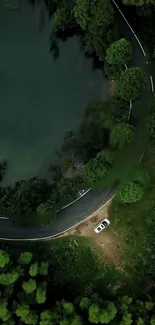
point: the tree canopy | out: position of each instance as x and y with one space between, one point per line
122 134
42 301
130 192
131 83
96 19
94 171
119 52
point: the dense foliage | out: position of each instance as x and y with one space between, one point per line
131 82
119 52
31 289
130 192
96 169
122 134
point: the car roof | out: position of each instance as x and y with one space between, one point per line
101 222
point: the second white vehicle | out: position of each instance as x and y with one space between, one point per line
102 225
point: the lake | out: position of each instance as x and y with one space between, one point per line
40 99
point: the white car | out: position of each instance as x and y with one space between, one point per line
102 225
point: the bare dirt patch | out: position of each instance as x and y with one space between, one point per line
107 242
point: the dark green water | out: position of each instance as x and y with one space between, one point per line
39 99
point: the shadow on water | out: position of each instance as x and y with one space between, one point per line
41 98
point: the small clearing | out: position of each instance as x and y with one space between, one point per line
107 242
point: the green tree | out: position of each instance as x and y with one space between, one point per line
29 286
152 321
94 171
26 315
27 195
34 269
85 303
121 109
25 258
121 135
131 82
5 314
94 314
65 187
72 259
43 269
130 192
119 52
105 157
97 21
140 321
46 212
149 305
126 319
41 295
108 313
4 258
46 317
76 320
82 13
68 307
22 311
9 278
98 118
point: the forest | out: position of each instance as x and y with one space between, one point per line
65 282
91 157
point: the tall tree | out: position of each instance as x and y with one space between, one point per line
4 258
132 81
25 258
119 52
121 135
45 212
96 19
130 192
94 171
29 286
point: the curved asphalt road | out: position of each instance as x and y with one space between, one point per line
65 219
94 199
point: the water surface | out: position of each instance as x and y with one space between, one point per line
40 99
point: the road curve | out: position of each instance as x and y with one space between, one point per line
94 199
65 219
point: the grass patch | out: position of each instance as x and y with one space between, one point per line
128 221
126 158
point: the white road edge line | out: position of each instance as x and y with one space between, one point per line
62 232
75 225
130 27
151 79
6 218
66 206
152 84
